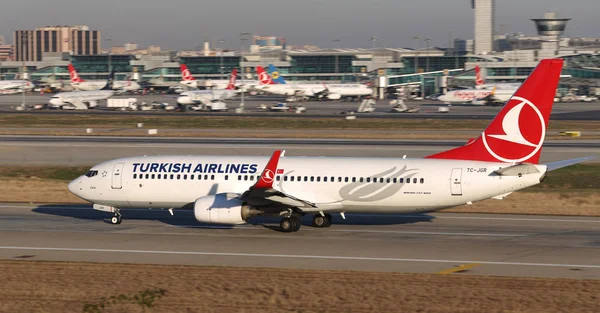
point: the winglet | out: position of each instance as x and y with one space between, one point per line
268 174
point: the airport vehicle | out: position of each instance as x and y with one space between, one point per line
82 85
187 79
206 97
234 189
83 100
275 84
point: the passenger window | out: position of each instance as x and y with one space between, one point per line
245 177
192 177
178 176
381 180
325 179
172 176
353 179
318 178
185 176
360 179
414 180
422 180
368 179
205 177
226 177
251 177
147 176
395 180
305 178
312 178
299 178
278 178
408 180
387 181
152 176
134 176
212 177
401 180
239 177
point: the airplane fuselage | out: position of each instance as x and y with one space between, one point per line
383 185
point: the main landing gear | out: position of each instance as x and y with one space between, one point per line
117 218
321 221
290 224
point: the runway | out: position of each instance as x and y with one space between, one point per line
540 246
65 150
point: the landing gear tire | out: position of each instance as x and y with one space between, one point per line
116 219
321 221
290 224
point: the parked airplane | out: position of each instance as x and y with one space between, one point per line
233 189
187 79
275 84
14 86
480 82
82 100
80 84
206 96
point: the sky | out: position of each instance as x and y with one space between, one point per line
185 24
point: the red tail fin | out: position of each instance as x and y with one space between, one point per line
186 75
74 76
478 77
263 77
268 174
517 133
232 78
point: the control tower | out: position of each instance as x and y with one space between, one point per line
550 28
484 26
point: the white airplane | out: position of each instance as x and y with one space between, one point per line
14 86
234 189
80 84
480 82
205 97
275 84
82 100
187 79
482 93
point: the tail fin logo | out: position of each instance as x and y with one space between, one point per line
523 126
268 176
232 79
478 78
275 75
264 78
186 75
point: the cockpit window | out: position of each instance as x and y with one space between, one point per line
91 173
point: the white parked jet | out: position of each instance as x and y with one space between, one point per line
205 97
482 93
480 82
14 86
82 100
275 84
187 79
80 84
234 189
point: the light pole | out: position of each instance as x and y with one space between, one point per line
373 40
24 36
221 42
109 40
336 43
417 39
243 38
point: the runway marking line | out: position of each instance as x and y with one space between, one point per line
294 256
458 269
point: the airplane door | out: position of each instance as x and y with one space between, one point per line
456 182
117 176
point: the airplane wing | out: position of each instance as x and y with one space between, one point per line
78 104
262 194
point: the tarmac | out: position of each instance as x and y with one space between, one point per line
505 245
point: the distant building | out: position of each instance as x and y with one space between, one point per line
6 51
130 46
30 45
484 26
267 43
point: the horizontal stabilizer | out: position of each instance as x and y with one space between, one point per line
560 164
518 169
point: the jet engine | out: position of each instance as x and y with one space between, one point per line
334 96
223 208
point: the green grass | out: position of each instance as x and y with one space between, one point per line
581 177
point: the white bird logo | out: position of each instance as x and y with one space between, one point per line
510 125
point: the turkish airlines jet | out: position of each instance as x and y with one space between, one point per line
187 79
206 96
275 84
82 100
80 84
480 82
234 189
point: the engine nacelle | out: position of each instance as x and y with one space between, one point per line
223 208
334 96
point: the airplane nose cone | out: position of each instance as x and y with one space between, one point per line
185 100
75 187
